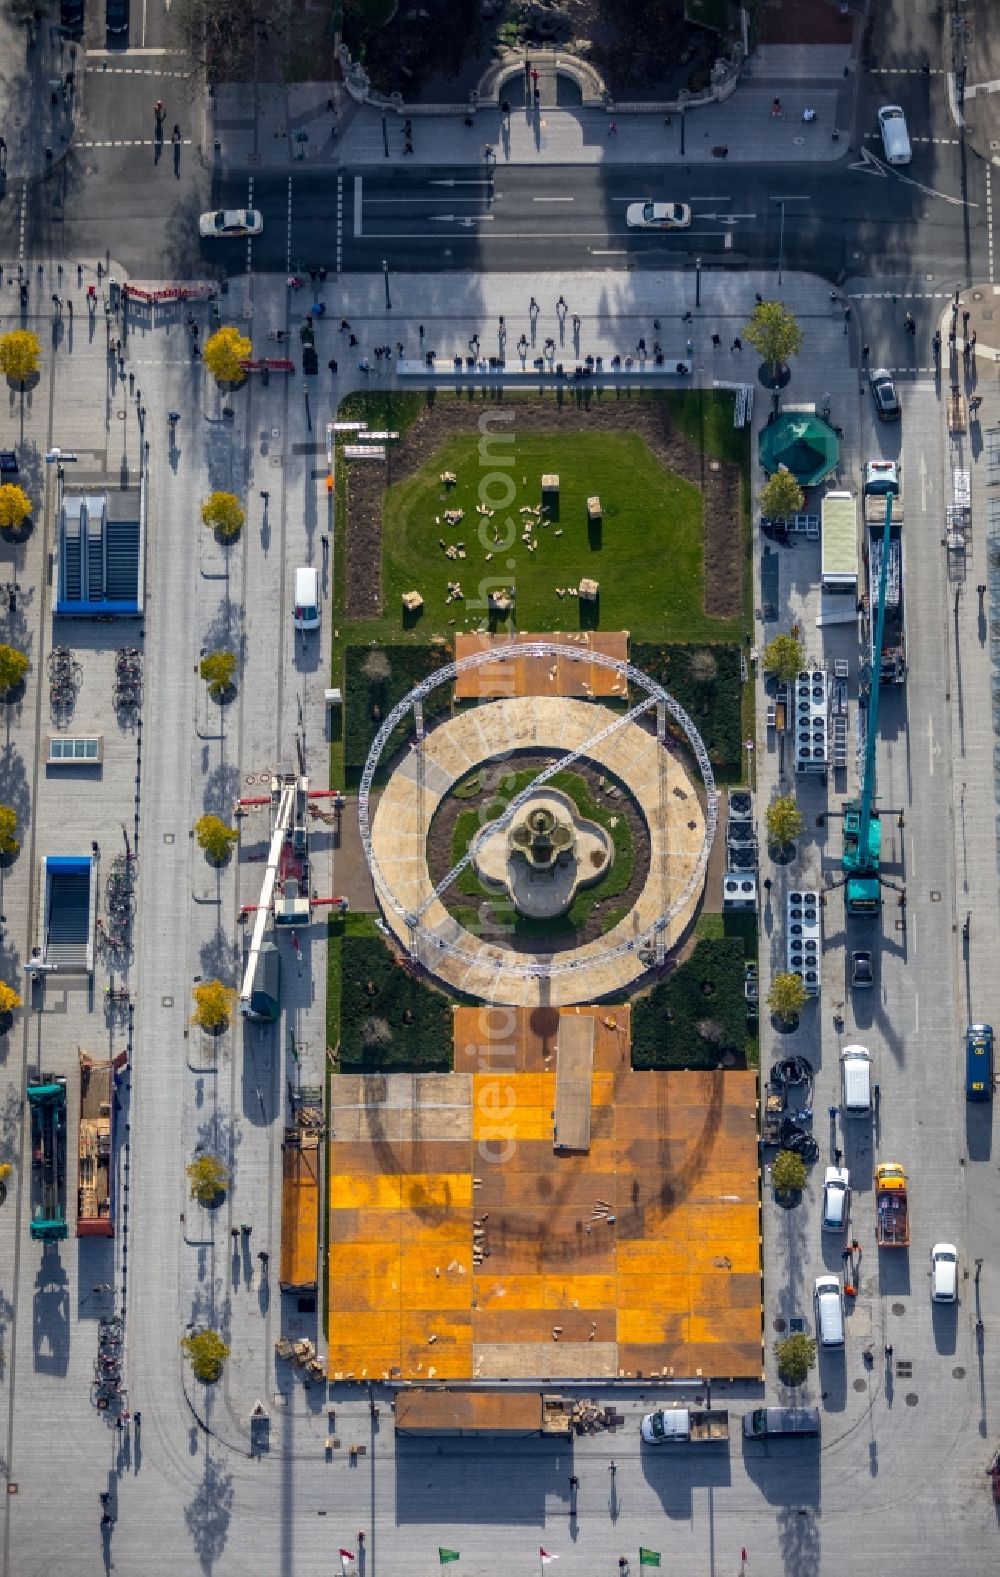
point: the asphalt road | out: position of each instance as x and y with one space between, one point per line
119 194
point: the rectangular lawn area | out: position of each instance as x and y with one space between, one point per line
647 553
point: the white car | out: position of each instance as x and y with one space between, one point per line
944 1273
231 222
836 1198
657 216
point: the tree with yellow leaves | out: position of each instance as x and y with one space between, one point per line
213 1006
222 512
224 354
15 506
19 355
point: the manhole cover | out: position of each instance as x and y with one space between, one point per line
899 1308
910 1398
120 416
935 895
929 277
861 1385
779 1324
166 1002
958 1373
977 295
168 837
798 141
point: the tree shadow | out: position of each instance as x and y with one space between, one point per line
221 789
218 957
225 630
14 787
210 1512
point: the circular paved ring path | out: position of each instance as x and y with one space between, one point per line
482 734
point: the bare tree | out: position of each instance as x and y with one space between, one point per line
227 37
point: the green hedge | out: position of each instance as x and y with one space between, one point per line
711 699
374 1034
407 666
683 1025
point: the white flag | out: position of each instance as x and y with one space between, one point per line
545 1557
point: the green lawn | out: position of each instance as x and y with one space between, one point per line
647 556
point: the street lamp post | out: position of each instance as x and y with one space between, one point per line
697 281
385 276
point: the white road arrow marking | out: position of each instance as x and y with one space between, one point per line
869 164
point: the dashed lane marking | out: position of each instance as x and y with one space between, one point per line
131 142
989 222
135 71
938 142
905 71
340 223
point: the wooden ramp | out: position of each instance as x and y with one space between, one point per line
299 1210
574 1079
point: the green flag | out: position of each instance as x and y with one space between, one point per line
649 1557
444 1556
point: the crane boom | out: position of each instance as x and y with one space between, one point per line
862 823
868 785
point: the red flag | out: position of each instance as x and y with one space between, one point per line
347 1555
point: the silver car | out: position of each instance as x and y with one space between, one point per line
836 1198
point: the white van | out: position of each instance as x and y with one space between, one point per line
306 610
944 1273
895 137
829 1302
856 1080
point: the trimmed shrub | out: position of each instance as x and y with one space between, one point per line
706 680
697 1016
390 1021
375 678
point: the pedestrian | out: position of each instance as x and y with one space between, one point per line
420 331
888 1351
847 317
972 341
716 340
561 306
910 325
855 1245
966 351
775 107
690 347
265 495
332 366
833 297
576 325
534 77
965 320
353 340
974 405
527 66
502 329
951 339
737 344
613 129
119 1424
533 307
767 884
325 543
865 352
131 382
845 1254
574 1482
344 326
322 275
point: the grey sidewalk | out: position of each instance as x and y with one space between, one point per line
297 127
36 104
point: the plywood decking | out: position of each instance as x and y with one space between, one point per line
526 675
637 1257
574 1078
299 1209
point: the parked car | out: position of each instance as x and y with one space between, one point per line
862 978
71 15
836 1198
883 387
117 16
657 216
944 1273
231 222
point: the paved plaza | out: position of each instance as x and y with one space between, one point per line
902 1447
